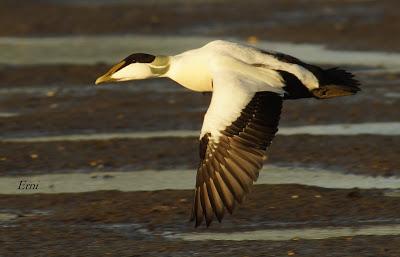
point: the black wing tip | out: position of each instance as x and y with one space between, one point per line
197 223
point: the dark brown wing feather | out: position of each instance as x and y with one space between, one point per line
230 164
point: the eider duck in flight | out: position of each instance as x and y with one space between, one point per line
248 87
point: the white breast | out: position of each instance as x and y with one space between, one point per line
190 69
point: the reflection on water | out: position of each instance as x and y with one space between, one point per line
290 234
109 49
392 94
375 128
151 180
372 128
104 136
114 2
8 114
85 89
7 216
393 193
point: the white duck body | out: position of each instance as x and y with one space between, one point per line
195 69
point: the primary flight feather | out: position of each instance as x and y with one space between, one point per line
248 87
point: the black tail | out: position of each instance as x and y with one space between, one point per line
335 82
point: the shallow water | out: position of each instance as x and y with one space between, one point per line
113 2
8 114
374 128
153 86
378 128
151 180
393 193
293 234
392 94
104 136
88 50
4 216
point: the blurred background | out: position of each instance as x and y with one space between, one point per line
108 170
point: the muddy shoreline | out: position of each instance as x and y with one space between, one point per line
79 242
349 24
106 113
61 99
369 155
139 219
170 209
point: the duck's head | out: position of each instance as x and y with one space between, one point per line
136 66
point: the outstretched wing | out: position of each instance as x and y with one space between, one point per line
238 127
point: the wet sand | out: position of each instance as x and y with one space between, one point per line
348 24
57 99
50 75
370 155
168 210
79 241
143 219
154 222
108 110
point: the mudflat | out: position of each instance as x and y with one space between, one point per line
342 24
60 99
